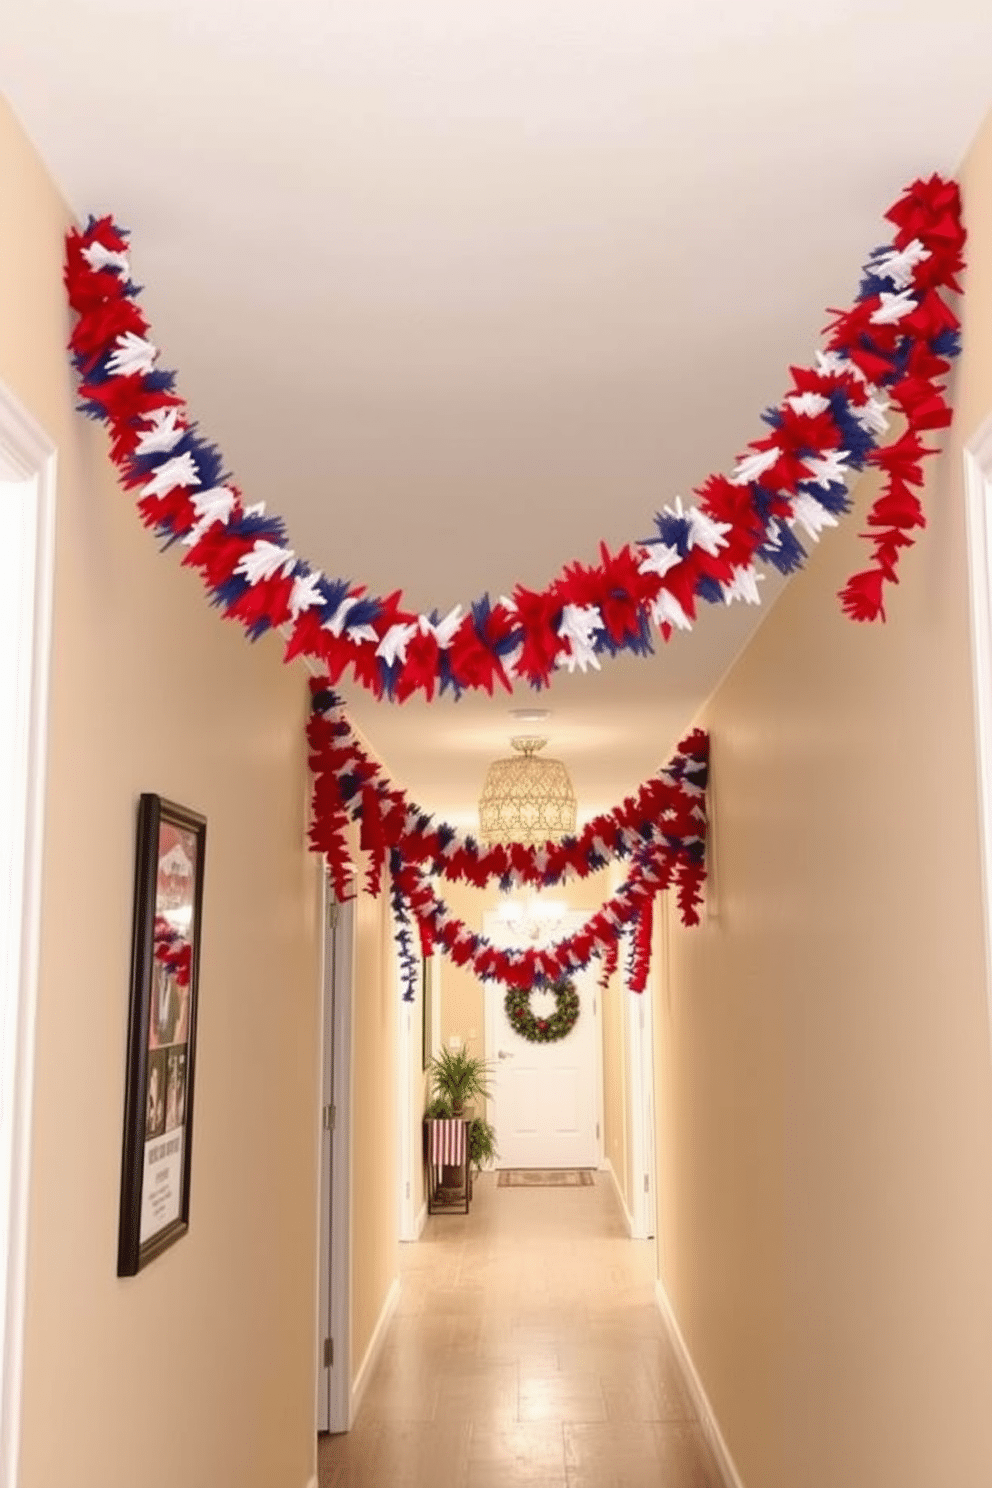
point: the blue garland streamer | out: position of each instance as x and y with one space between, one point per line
406 954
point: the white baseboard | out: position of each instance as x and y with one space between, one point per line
627 1216
726 1467
417 1226
375 1346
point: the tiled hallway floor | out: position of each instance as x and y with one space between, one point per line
526 1349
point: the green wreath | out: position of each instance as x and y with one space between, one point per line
543 1030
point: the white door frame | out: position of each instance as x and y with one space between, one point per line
406 1028
405 1023
334 1223
492 991
408 1115
978 506
27 489
639 1052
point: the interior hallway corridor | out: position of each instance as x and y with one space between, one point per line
527 1348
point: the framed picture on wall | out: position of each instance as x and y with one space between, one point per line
161 1041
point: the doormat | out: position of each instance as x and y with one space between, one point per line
544 1178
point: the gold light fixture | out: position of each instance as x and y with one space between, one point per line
526 799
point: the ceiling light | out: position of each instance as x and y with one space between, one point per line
526 799
532 916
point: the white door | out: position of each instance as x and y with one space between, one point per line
545 1097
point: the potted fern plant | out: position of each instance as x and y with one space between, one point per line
457 1079
482 1149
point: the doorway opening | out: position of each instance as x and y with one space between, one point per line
546 1098
27 490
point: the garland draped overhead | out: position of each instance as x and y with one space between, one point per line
415 899
350 786
890 351
660 829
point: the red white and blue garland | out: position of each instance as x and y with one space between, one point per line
350 786
889 353
417 903
660 829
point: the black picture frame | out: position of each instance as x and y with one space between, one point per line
161 1040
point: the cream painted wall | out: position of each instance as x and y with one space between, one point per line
463 998
200 1370
825 1131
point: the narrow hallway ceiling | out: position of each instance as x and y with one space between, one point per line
462 290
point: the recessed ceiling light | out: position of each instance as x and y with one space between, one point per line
530 715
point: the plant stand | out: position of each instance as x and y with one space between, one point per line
446 1154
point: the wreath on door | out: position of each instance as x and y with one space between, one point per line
543 1030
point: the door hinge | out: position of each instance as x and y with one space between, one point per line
645 1183
333 910
330 1118
408 1188
328 1352
597 1131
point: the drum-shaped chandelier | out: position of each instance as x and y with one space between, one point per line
526 798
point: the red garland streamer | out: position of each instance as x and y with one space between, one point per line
640 951
929 212
912 328
349 785
661 828
649 876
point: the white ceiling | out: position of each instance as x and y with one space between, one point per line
461 289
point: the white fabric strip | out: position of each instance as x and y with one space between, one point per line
448 1143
